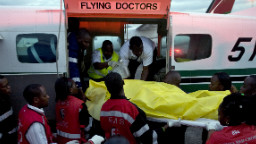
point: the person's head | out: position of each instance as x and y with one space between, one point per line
249 86
114 84
136 45
73 24
65 87
36 95
84 39
5 88
107 49
172 77
220 82
232 110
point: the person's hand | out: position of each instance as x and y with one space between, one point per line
214 126
122 70
112 63
165 127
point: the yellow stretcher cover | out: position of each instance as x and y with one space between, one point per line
160 100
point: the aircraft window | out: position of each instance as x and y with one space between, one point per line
36 48
98 40
192 47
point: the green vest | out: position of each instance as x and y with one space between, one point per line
97 74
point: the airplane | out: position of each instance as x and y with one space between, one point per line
195 44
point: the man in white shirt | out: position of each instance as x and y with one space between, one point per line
136 51
33 125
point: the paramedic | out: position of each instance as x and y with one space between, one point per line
72 118
121 117
33 125
236 113
249 86
8 124
79 41
221 81
172 77
103 60
136 51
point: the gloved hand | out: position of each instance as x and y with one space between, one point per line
214 126
174 123
73 142
122 70
96 139
112 63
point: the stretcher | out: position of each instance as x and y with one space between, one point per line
161 101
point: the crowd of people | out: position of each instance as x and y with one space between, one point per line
119 118
85 63
121 121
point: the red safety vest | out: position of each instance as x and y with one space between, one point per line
67 120
242 134
27 117
116 118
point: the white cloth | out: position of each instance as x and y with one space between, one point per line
96 57
36 132
147 54
201 122
96 139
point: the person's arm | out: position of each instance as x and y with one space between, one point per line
99 65
146 61
140 129
96 60
36 134
85 123
73 59
84 116
145 72
124 54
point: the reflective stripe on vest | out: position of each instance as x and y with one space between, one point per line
73 60
13 130
141 131
6 115
68 135
117 114
155 137
97 74
76 79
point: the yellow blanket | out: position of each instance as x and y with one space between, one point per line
160 100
